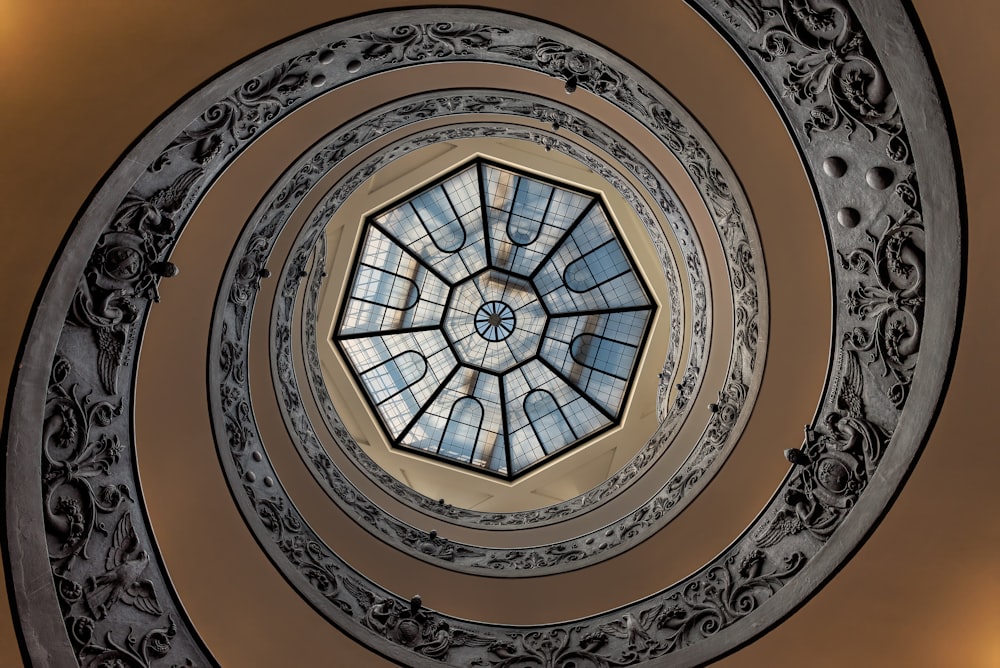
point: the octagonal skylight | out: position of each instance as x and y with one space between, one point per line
494 319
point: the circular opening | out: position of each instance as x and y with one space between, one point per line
495 321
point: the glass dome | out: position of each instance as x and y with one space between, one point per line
494 319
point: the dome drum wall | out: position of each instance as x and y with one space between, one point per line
446 551
561 556
856 454
550 141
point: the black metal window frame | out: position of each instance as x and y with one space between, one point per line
611 418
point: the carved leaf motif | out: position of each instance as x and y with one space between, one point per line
132 653
830 66
72 458
233 120
891 308
418 42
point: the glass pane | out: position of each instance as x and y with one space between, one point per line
494 319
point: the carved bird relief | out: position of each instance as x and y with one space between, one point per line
155 213
634 631
124 564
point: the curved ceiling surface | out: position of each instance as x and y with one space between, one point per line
351 554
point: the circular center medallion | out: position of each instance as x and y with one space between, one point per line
495 321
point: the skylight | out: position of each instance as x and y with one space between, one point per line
494 319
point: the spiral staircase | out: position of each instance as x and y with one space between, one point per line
203 465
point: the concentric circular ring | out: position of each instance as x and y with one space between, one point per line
596 544
495 321
690 376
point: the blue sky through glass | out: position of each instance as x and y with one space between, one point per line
494 319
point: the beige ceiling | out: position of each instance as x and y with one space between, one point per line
81 82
